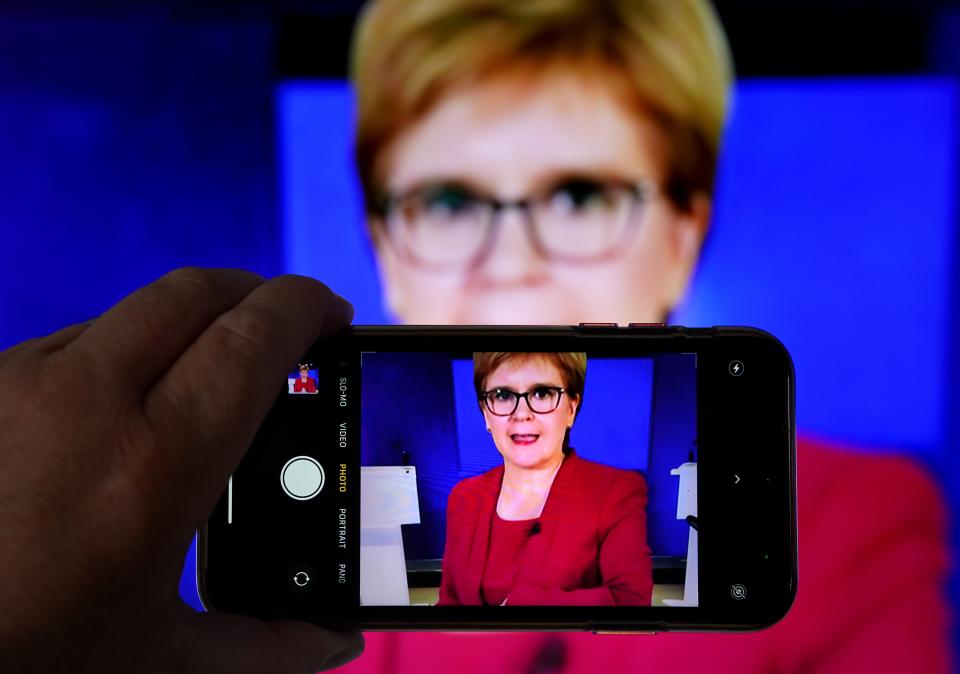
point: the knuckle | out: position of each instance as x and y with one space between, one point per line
37 385
144 469
203 279
199 275
248 331
166 417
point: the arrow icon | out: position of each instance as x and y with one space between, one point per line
736 478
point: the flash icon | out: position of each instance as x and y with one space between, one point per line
736 368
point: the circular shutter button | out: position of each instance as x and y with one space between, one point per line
302 478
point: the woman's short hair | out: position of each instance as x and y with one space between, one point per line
669 57
571 365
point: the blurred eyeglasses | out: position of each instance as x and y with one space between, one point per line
503 402
447 225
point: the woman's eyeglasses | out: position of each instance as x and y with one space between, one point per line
447 225
503 402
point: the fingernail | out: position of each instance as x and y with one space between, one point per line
343 657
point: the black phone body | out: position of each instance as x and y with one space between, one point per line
705 417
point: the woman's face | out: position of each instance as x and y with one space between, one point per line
508 139
527 439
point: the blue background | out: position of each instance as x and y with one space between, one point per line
421 408
836 223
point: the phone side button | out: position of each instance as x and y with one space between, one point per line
617 632
598 325
646 325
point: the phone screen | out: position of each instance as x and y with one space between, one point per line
598 480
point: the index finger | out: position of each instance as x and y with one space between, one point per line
211 401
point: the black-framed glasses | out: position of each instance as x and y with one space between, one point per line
503 402
449 225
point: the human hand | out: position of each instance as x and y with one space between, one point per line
117 437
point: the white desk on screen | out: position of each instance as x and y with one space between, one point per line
687 505
388 498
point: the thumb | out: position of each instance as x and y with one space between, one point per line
235 644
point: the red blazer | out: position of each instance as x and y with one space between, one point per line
871 597
310 386
591 549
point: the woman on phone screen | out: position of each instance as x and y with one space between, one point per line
546 527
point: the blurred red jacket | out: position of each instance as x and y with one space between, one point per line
871 597
588 502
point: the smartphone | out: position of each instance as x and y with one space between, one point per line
517 478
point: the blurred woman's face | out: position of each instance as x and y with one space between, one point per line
525 438
508 139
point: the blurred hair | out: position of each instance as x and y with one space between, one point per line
669 58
